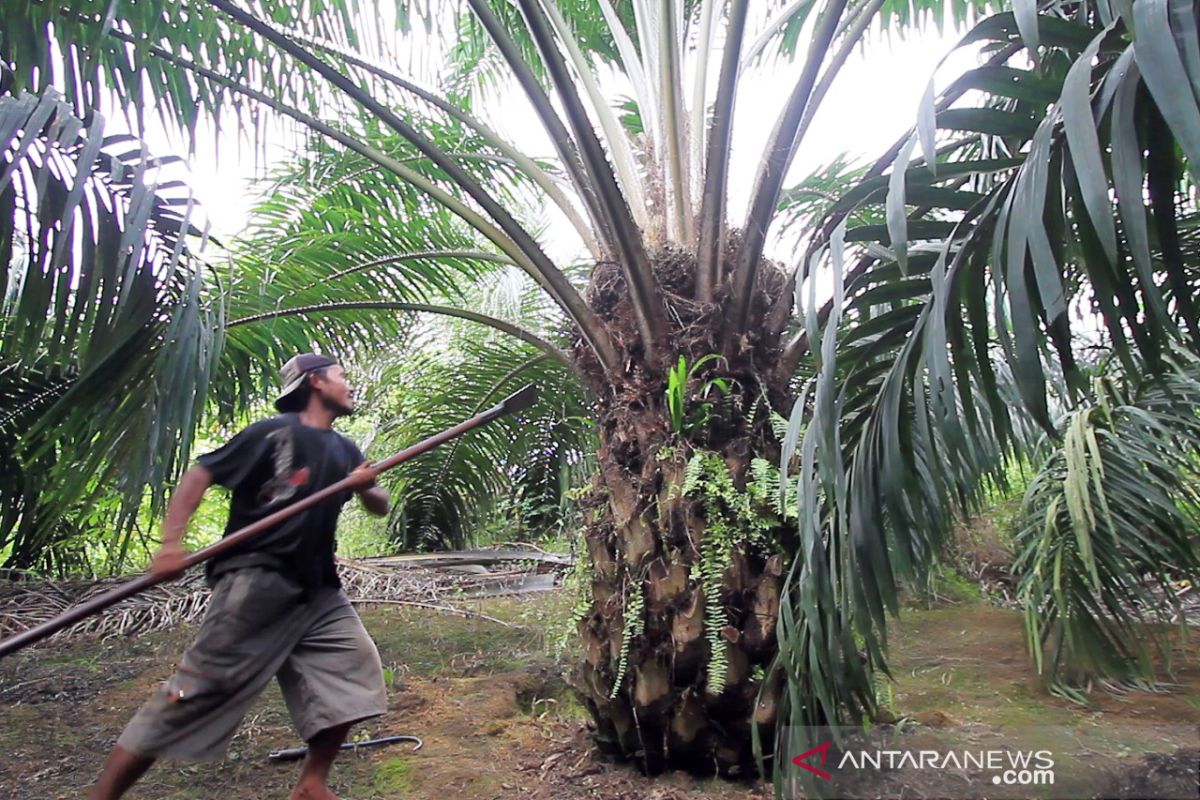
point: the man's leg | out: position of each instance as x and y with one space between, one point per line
241 644
121 770
314 775
332 679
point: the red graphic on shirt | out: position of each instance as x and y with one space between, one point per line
822 750
299 477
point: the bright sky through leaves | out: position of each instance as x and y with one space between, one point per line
873 102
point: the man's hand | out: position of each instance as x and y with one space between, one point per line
363 477
168 561
374 498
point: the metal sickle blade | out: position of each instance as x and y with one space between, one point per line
519 400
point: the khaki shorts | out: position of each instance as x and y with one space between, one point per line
258 626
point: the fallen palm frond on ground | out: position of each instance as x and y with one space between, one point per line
434 582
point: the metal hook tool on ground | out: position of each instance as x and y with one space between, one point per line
297 753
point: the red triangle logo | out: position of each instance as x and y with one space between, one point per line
821 750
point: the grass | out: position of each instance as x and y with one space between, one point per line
433 644
393 778
962 677
947 585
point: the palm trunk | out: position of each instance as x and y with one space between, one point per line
683 578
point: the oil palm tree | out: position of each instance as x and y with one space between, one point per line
672 278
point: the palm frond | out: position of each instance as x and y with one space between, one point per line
715 177
804 205
440 498
532 255
1110 520
108 331
962 311
594 177
339 255
70 45
543 175
780 150
280 80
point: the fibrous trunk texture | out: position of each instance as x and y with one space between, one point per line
680 625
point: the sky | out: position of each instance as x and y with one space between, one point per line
873 102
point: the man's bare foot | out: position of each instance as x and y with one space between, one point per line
306 792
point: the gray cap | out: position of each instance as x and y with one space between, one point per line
294 375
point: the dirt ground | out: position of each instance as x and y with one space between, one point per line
498 722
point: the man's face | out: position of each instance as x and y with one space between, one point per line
333 390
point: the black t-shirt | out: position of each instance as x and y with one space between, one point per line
272 464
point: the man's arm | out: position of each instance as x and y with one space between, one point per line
184 502
374 497
375 500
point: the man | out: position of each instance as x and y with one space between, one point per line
277 609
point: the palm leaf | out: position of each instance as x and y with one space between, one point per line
107 331
1109 521
78 35
945 362
440 498
330 228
